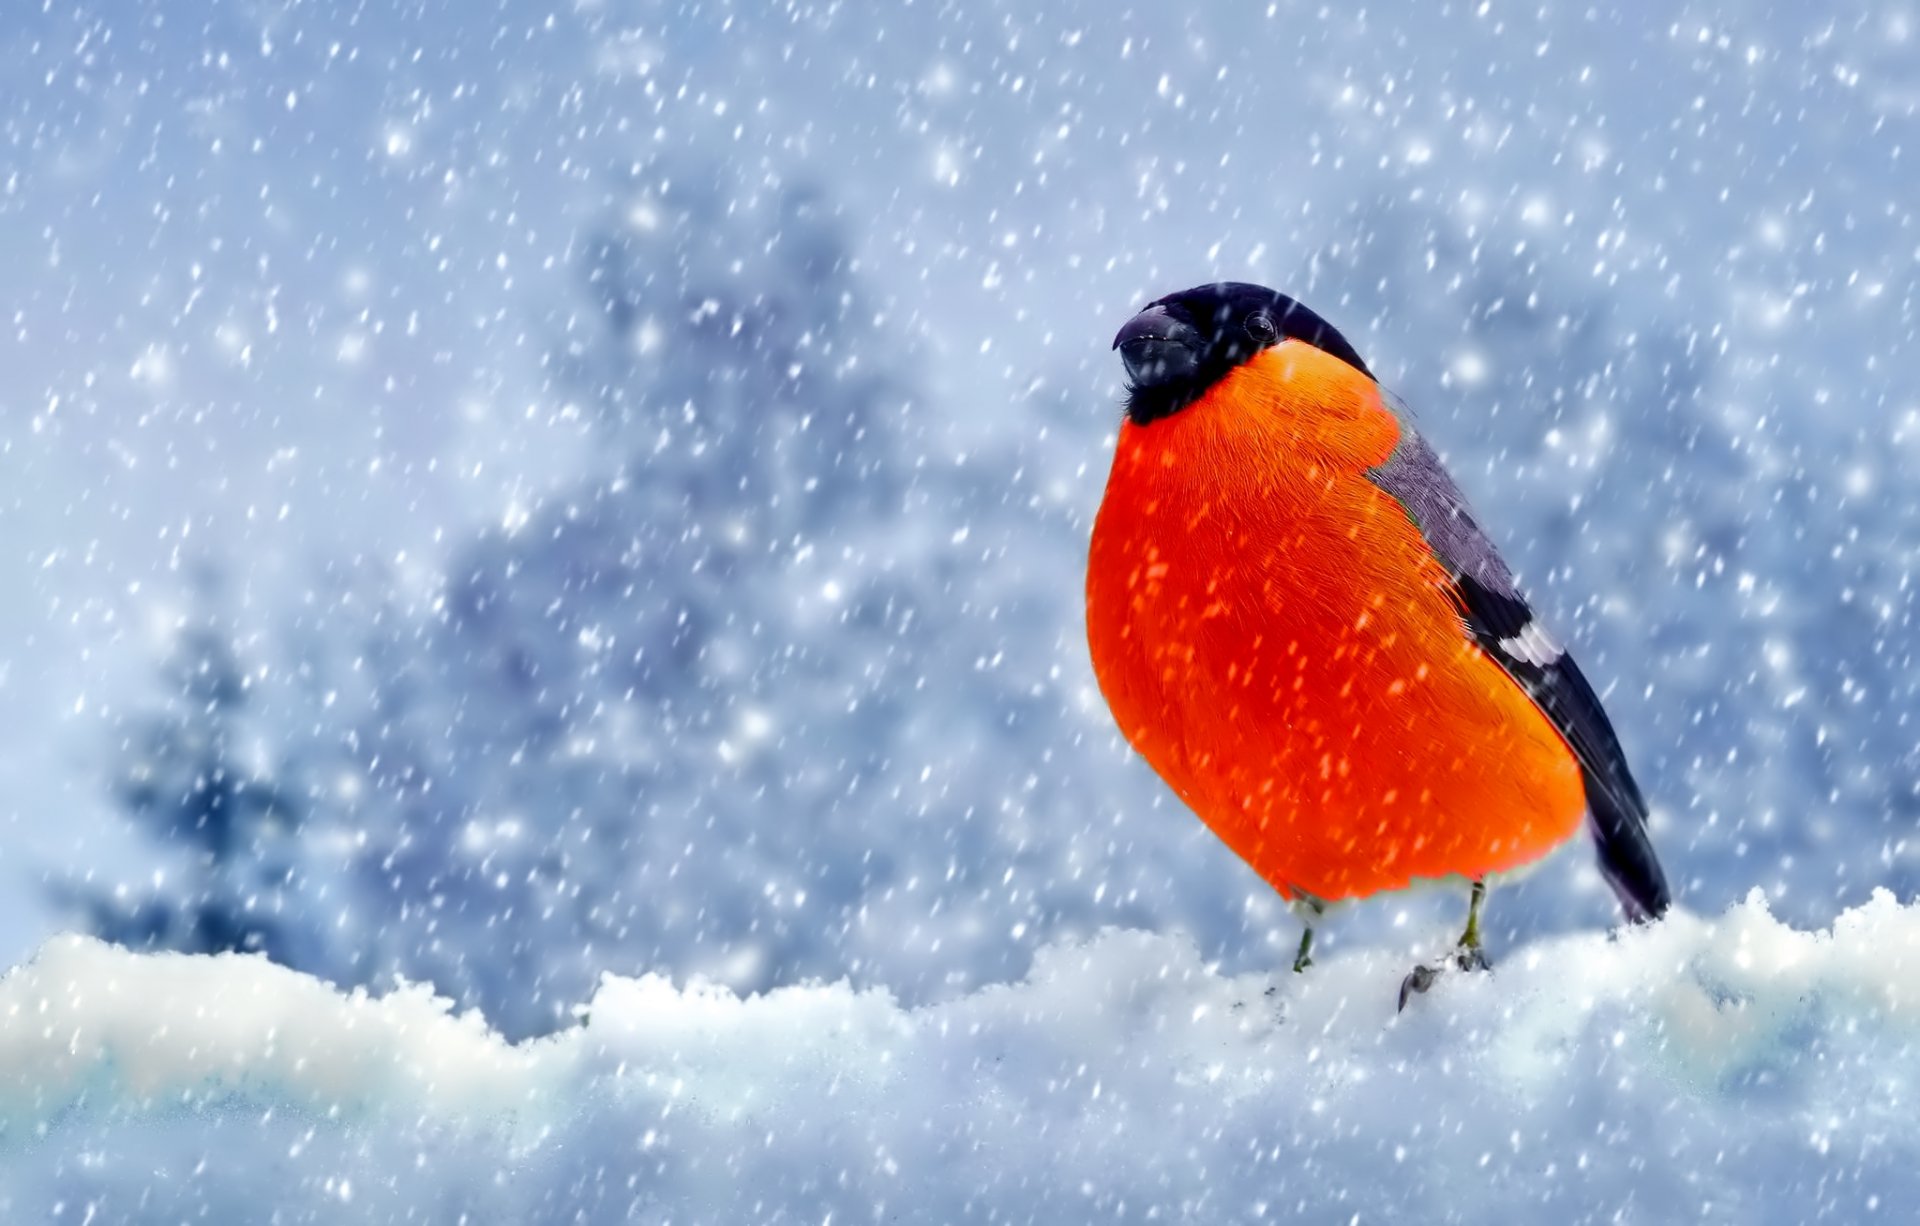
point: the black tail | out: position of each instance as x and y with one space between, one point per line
1617 815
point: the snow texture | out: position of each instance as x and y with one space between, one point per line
1727 1070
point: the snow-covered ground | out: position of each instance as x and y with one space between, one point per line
1727 1069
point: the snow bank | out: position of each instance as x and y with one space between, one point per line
1726 1069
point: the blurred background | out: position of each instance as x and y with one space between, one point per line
500 495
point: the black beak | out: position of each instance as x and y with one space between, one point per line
1158 349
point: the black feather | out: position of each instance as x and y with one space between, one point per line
1235 320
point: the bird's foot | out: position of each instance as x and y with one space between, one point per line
1464 958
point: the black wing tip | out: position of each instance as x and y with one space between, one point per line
1626 855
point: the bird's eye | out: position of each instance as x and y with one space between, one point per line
1260 327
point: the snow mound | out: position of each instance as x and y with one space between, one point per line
1730 1068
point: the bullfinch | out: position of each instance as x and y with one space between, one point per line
1299 624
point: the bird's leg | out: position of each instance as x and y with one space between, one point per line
1310 910
1467 955
1301 960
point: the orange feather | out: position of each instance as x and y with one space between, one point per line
1277 639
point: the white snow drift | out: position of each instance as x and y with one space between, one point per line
1717 1069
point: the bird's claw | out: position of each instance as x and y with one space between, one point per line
1471 958
1421 978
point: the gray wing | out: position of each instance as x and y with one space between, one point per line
1502 623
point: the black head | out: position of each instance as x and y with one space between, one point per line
1181 345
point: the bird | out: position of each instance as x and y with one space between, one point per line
1295 618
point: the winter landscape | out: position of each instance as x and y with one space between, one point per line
545 675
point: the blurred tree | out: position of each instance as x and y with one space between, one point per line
195 777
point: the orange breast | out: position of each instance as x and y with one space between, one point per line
1275 637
